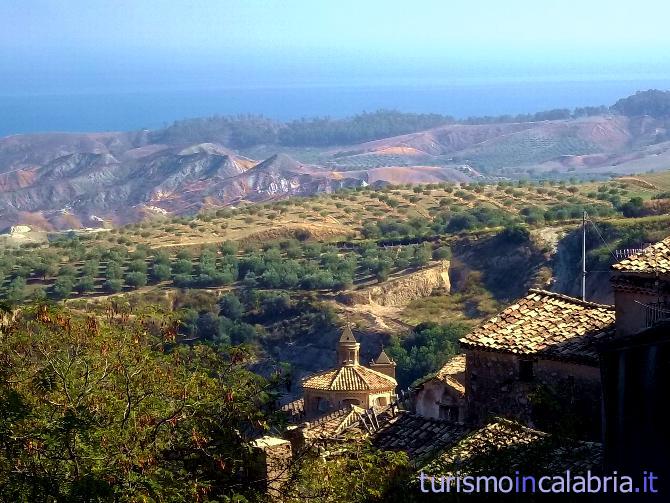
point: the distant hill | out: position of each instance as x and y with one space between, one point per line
70 180
653 103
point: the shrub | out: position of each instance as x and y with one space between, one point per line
114 270
136 279
160 272
113 285
85 284
63 286
442 253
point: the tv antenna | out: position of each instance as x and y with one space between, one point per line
584 256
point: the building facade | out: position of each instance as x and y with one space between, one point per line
641 286
443 396
537 362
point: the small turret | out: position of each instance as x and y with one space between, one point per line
384 364
348 348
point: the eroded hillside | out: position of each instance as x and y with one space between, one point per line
61 181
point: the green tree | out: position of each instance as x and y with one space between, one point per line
95 410
63 286
67 270
423 254
182 266
85 284
90 268
113 285
160 271
16 291
359 474
425 349
442 253
46 268
231 307
136 279
138 265
114 270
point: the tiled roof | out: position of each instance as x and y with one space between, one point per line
545 323
453 373
350 378
654 258
332 424
504 446
419 436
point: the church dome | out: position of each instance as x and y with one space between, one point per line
350 378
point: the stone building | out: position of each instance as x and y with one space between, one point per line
641 286
634 364
350 383
443 396
537 362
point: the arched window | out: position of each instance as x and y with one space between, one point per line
322 404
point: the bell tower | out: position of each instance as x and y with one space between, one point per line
384 364
348 349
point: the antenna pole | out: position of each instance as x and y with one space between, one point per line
584 256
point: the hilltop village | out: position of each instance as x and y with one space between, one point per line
540 385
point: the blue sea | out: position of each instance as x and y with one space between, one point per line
133 111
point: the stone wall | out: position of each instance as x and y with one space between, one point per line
560 396
272 461
432 395
338 399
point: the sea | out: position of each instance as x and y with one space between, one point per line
111 111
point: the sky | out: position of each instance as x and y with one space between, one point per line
89 46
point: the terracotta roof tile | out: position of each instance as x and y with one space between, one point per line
333 423
654 258
419 436
504 446
548 323
350 378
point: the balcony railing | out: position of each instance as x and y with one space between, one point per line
655 312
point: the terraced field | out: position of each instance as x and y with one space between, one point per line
343 221
341 214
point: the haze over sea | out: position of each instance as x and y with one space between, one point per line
133 111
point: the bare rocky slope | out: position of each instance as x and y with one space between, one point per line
401 291
61 180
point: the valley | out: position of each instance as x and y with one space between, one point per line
385 258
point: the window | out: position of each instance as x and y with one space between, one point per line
526 370
449 412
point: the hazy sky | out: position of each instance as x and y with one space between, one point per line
54 46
